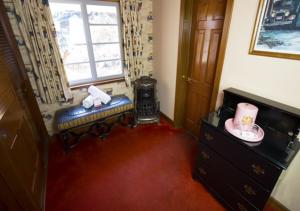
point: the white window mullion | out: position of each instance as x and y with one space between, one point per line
119 23
88 39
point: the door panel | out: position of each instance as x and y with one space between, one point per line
202 10
23 148
219 8
198 54
212 56
208 25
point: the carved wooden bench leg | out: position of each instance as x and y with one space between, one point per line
70 139
101 129
104 129
122 119
132 119
64 136
128 119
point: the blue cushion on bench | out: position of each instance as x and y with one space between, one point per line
76 116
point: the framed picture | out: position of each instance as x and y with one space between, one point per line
277 29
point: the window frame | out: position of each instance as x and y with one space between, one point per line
92 62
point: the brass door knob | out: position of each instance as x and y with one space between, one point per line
186 78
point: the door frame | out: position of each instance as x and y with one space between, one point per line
184 48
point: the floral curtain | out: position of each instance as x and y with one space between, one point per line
132 38
35 35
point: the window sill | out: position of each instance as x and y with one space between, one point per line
95 83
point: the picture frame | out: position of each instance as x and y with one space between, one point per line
277 29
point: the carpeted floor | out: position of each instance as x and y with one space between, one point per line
145 168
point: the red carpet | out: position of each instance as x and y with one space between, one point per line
145 168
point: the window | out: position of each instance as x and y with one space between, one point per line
89 38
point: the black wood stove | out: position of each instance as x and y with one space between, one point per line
146 103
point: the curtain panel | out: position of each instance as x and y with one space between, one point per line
132 38
36 38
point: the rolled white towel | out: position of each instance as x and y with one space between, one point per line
97 93
88 102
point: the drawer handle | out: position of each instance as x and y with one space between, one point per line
208 137
258 169
249 190
205 155
202 171
241 207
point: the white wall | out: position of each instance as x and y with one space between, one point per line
273 78
166 15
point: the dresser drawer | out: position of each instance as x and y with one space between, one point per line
212 176
230 198
256 167
237 202
232 176
212 179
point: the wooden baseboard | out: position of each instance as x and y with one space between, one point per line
276 205
170 121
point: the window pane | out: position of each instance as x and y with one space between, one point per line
79 71
102 14
102 34
106 51
68 23
75 54
109 68
71 39
75 46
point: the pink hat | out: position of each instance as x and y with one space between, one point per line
243 125
245 116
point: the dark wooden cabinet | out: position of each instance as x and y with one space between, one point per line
222 157
242 175
22 167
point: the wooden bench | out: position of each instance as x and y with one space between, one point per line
75 122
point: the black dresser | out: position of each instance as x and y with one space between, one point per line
242 175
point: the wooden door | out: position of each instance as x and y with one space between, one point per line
208 19
21 168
